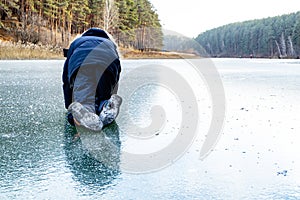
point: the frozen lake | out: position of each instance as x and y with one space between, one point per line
256 157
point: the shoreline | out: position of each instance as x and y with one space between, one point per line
18 51
129 54
35 52
42 54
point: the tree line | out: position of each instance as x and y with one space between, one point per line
270 37
133 23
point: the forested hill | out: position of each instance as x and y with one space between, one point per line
133 23
270 37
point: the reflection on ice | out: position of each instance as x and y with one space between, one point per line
94 156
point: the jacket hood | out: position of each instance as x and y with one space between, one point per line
96 32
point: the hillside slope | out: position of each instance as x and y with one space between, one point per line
270 37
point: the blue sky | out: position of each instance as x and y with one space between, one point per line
191 17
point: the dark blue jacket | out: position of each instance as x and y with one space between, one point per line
79 55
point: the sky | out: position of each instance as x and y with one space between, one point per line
192 17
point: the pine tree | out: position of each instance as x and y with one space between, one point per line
55 21
262 38
128 20
296 36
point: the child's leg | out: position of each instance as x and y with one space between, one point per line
85 86
108 84
107 99
84 90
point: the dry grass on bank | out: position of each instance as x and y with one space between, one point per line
11 53
17 51
135 54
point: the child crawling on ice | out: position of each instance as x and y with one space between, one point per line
90 80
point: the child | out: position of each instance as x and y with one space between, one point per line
90 80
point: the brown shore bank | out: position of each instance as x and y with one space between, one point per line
18 51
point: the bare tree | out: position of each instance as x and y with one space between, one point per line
283 45
110 16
